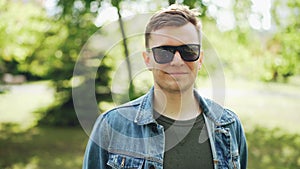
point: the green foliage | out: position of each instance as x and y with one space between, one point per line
23 44
190 3
59 113
80 27
285 44
283 56
47 47
270 149
239 53
116 3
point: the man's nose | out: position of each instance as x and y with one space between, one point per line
177 60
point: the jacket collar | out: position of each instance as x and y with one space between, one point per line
216 113
145 111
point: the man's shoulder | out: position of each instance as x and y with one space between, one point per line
127 110
219 114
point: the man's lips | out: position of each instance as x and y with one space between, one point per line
176 73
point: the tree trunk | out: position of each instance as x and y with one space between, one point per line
126 52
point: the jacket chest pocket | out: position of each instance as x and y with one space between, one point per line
226 149
118 161
236 160
222 143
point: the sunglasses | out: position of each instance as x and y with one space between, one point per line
165 54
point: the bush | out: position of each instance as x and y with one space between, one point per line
272 148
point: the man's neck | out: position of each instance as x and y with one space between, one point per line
176 105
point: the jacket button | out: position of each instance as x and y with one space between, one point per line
154 129
151 167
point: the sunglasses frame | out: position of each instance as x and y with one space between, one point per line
173 50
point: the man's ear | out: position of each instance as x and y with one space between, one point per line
147 59
201 59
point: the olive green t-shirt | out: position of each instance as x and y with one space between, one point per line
187 144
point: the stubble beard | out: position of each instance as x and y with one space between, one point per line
174 87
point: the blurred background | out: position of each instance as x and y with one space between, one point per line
255 42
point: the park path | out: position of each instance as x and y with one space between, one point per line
20 101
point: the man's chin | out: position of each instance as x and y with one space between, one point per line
175 89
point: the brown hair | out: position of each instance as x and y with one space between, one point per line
175 15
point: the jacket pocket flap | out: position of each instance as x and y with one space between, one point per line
122 161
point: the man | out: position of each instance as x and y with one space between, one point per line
171 126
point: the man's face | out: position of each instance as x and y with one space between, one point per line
177 75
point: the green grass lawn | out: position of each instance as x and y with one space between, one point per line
271 105
43 148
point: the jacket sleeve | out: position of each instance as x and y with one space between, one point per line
96 154
243 149
241 141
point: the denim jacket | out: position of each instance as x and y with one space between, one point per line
129 137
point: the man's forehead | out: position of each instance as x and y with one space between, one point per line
181 35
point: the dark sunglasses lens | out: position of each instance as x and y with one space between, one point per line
190 53
163 55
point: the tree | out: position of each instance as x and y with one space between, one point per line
44 47
78 19
29 40
285 45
